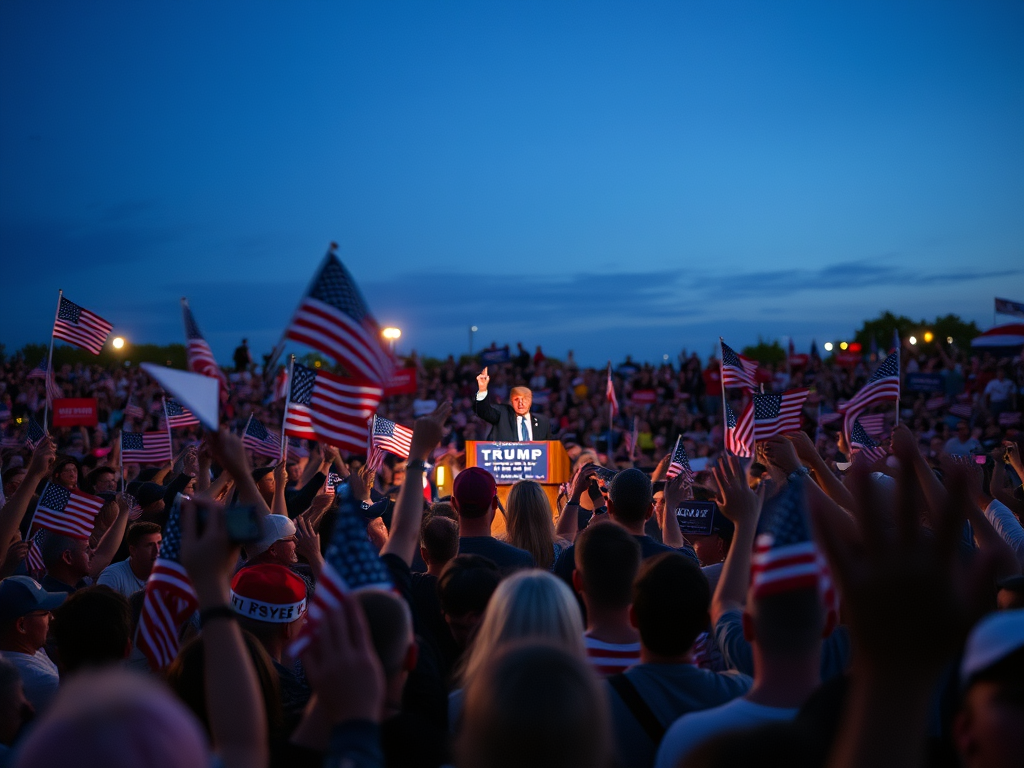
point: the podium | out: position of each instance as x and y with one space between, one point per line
544 462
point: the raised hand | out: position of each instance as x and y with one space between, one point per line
581 483
482 380
735 498
781 453
428 431
804 446
210 558
677 490
43 456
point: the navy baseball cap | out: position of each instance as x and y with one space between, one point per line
20 595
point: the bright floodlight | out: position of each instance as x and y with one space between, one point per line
828 346
118 342
391 334
912 340
928 336
473 328
843 345
949 339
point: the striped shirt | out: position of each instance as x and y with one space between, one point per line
609 659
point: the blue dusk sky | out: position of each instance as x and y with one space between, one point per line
610 178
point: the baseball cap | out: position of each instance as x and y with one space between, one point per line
275 528
269 593
993 639
20 595
473 490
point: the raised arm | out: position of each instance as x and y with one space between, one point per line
230 454
234 702
743 507
279 507
567 526
677 490
112 538
13 512
820 471
482 405
408 517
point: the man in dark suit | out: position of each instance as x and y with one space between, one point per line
511 423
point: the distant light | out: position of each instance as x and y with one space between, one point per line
665 358
828 346
316 364
440 476
949 339
928 336
912 340
843 345
118 342
19 420
391 334
473 328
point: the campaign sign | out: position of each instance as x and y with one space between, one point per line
509 462
924 382
494 356
696 517
644 397
402 383
71 411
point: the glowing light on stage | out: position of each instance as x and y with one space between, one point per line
391 334
118 342
912 340
440 476
828 346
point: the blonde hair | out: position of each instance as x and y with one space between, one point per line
532 604
524 391
535 704
530 525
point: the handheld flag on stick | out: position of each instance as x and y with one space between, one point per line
778 414
386 435
340 409
679 464
737 370
77 325
69 512
197 351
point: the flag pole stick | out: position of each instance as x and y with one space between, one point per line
49 364
721 381
287 402
899 374
167 421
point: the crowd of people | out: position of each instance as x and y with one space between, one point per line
594 633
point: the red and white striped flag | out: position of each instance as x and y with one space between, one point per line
146 447
79 326
298 418
863 444
67 511
609 392
679 464
169 601
197 351
737 370
177 415
961 410
341 408
874 423
261 440
884 385
739 435
34 558
386 435
334 318
41 371
778 414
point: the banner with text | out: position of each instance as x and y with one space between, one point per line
509 462
74 411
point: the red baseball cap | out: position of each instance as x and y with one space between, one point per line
473 491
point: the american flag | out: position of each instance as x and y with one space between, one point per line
935 403
631 439
334 318
785 556
261 440
873 424
609 393
133 411
67 511
961 410
863 444
298 418
737 370
341 409
351 564
883 385
739 434
331 483
134 508
80 327
680 464
778 414
178 415
34 558
146 447
35 433
45 373
280 385
197 351
1009 418
385 435
170 598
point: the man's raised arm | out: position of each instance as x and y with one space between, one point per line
482 406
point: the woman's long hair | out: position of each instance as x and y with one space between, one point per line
530 526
